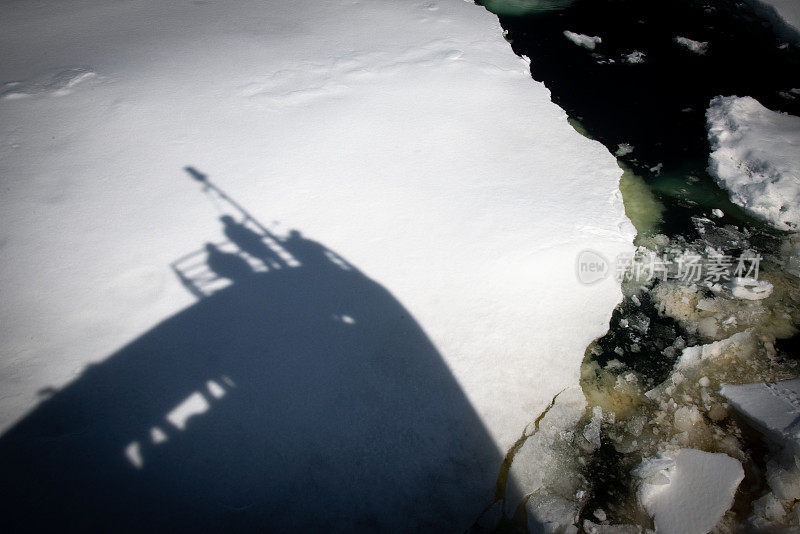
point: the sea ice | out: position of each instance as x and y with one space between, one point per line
774 408
586 41
756 157
623 149
692 357
750 288
543 459
698 47
691 496
634 57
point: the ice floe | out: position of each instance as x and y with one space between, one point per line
698 47
586 41
689 491
756 157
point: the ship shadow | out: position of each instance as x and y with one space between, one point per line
304 397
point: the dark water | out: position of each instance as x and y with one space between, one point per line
658 106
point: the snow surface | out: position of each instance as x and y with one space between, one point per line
691 495
586 41
775 408
404 135
756 157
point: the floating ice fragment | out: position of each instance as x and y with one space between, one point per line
774 408
585 41
750 288
686 418
623 149
700 490
755 158
739 343
650 468
698 47
634 57
592 430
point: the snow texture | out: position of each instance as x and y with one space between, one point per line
756 157
164 367
693 494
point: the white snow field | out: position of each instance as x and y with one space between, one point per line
756 157
376 391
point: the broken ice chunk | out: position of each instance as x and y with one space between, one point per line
698 47
592 430
655 471
542 458
686 417
635 57
586 41
700 490
740 343
774 408
623 149
750 288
